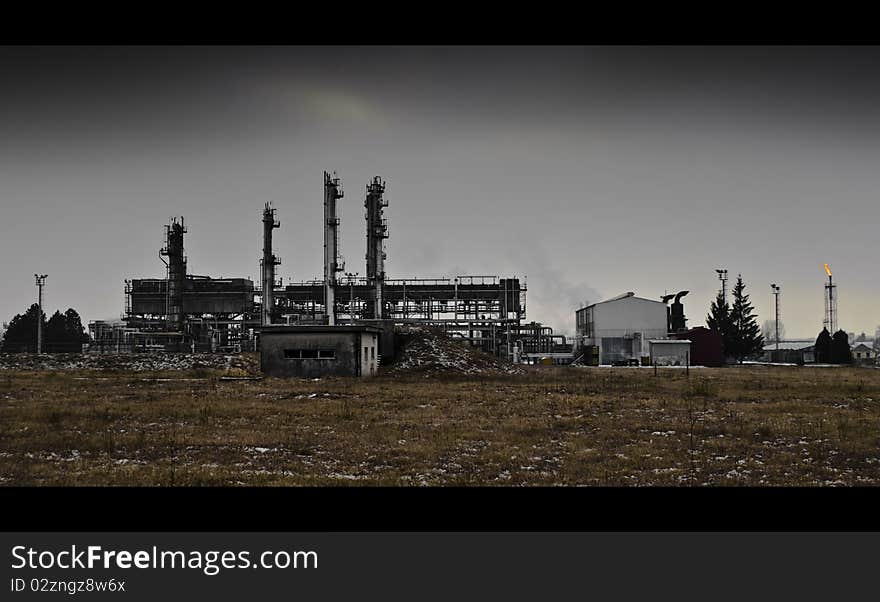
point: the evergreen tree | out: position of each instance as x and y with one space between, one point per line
55 333
841 353
61 333
746 334
21 334
75 333
719 321
823 347
64 333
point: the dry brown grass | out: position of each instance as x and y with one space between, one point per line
552 426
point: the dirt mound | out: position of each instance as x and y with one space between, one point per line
131 362
432 352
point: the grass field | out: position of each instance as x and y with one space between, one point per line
551 426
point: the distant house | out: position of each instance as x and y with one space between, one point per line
798 351
863 352
621 327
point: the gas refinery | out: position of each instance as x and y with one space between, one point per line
186 312
189 312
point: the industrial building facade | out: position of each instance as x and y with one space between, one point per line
317 351
621 327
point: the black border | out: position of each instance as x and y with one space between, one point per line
470 24
439 509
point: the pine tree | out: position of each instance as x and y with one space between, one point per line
55 335
21 334
746 334
719 321
841 353
75 333
61 333
823 347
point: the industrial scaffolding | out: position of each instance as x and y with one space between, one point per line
224 314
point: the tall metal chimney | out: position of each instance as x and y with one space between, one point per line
377 232
268 263
677 320
830 302
332 263
176 279
665 299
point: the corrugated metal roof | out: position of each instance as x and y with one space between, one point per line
797 345
620 297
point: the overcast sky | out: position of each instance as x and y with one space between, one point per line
590 171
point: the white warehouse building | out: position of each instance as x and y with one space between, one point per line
621 327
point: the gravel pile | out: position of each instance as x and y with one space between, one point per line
431 352
130 362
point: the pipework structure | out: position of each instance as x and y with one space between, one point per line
332 262
267 265
184 312
485 310
377 232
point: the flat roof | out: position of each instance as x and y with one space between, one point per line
291 329
669 341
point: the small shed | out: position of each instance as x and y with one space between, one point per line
670 352
863 352
707 346
315 351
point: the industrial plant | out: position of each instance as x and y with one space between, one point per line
189 312
316 326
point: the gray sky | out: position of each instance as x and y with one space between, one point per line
592 171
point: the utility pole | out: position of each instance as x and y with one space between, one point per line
41 282
776 290
722 276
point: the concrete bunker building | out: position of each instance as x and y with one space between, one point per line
318 350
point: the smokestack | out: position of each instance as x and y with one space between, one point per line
665 299
332 264
268 263
176 279
830 302
677 320
377 232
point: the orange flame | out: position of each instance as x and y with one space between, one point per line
827 269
